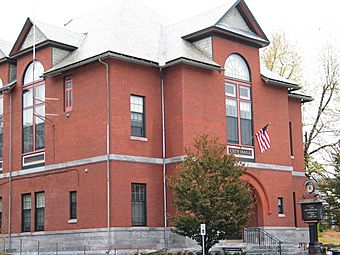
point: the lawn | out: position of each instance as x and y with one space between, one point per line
330 237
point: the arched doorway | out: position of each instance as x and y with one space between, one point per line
261 205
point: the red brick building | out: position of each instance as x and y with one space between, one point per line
97 113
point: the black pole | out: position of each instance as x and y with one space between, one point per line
314 246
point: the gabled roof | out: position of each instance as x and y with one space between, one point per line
5 48
126 29
45 34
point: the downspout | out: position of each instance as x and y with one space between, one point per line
10 176
163 165
107 153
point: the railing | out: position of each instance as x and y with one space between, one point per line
262 238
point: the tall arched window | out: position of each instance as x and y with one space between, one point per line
1 124
238 101
33 115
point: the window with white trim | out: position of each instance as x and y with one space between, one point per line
238 101
137 116
33 109
138 204
280 205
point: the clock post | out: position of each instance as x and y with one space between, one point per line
312 214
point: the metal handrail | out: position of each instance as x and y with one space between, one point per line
261 238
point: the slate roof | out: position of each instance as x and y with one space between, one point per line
5 48
266 73
128 27
61 35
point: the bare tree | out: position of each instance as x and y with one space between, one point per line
282 57
324 131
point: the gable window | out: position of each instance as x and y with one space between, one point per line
238 101
138 204
1 125
26 213
68 95
33 109
137 116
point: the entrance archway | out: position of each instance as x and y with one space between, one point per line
261 206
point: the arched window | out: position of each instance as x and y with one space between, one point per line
235 67
1 124
238 101
33 115
33 72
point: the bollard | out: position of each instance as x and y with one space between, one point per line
20 250
38 248
84 250
56 249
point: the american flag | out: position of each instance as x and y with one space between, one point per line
262 137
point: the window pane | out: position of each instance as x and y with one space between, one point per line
27 97
136 104
232 129
26 201
40 94
246 132
40 200
137 124
73 205
230 89
231 107
236 67
33 72
28 130
244 92
245 109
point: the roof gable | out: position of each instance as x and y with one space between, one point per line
234 19
45 34
5 48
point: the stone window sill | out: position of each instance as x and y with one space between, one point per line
281 215
72 221
137 138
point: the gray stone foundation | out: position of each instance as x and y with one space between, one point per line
289 234
122 241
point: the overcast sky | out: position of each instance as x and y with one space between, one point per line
307 23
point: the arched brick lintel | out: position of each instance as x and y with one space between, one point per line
253 181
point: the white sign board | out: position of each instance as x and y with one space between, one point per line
203 229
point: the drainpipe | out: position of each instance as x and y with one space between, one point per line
10 176
107 153
163 165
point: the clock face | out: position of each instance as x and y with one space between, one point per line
310 188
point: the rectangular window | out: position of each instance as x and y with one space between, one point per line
39 211
137 116
291 139
0 213
280 205
73 205
68 95
239 114
26 213
138 204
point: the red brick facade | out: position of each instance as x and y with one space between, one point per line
194 104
